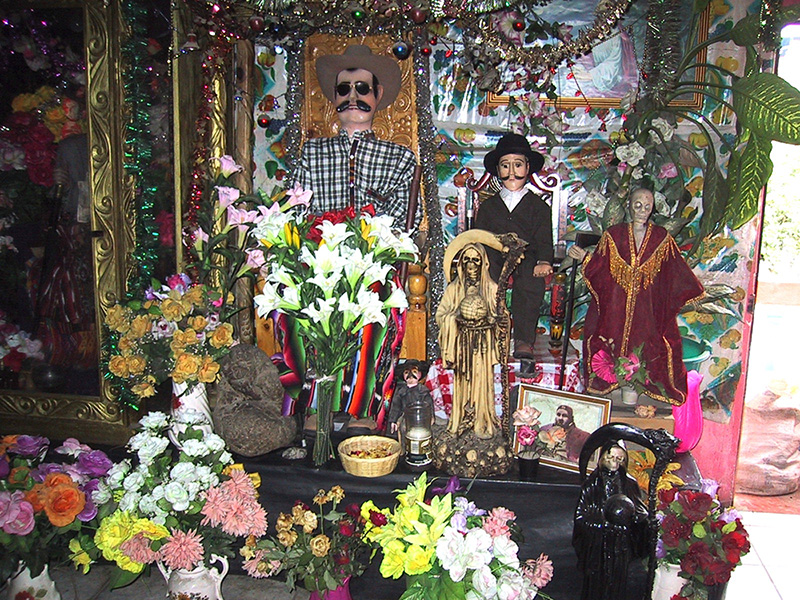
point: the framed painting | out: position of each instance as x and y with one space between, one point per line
567 419
610 70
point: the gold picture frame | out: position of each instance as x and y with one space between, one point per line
589 413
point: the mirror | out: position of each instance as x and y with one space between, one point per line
70 215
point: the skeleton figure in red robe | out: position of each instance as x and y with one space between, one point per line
639 282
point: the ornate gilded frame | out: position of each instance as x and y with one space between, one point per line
96 419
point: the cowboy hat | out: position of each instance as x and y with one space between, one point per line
360 57
513 143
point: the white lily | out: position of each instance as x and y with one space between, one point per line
397 299
371 308
325 260
327 283
351 311
334 234
321 313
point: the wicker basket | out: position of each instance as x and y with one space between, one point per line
369 467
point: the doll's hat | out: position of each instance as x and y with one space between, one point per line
360 57
513 143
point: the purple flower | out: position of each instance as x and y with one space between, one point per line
453 486
468 508
30 445
730 515
459 522
5 467
661 552
709 486
180 282
8 508
72 447
43 470
95 463
89 511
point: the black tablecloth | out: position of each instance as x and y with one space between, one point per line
544 511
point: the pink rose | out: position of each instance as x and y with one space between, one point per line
526 436
668 170
23 521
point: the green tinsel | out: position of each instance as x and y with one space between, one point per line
138 153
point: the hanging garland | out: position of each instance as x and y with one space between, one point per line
138 147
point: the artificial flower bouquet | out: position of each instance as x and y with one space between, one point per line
318 550
174 332
16 345
181 507
697 533
526 421
46 499
334 275
451 549
624 370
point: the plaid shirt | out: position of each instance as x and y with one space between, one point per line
364 170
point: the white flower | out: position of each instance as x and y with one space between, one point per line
478 544
102 494
129 501
268 300
510 585
190 416
214 442
281 275
321 312
158 492
194 448
183 471
226 458
324 261
630 153
154 421
376 272
637 173
506 551
333 235
327 283
133 482
350 310
206 475
270 230
397 299
371 308
484 582
116 474
177 495
664 128
148 505
450 552
151 449
661 206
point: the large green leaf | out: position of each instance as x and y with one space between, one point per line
748 172
746 31
769 106
715 198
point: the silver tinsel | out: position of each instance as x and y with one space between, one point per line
295 66
435 242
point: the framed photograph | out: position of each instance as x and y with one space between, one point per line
611 69
567 420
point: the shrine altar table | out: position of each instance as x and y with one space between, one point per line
544 514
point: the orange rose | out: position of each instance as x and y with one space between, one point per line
208 370
36 497
186 367
63 503
222 336
55 479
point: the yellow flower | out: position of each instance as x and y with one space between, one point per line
79 556
297 514
418 560
118 318
118 365
394 558
194 295
321 498
126 344
414 492
284 522
209 370
186 367
222 336
198 322
181 339
140 326
173 310
287 538
320 545
25 102
136 364
336 494
309 522
144 389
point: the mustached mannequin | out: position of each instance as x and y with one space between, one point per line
517 209
355 168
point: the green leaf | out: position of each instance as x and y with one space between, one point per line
746 31
120 578
699 531
748 172
769 106
715 198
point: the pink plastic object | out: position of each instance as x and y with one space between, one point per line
689 417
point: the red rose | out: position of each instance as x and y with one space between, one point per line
377 518
673 530
697 559
341 558
734 544
719 571
696 505
665 497
13 360
353 510
346 528
40 135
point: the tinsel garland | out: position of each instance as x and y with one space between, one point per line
770 34
138 146
662 50
295 65
426 133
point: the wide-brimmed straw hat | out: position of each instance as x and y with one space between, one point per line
513 143
360 57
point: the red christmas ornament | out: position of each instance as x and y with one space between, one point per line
518 25
257 23
418 16
263 121
432 40
426 51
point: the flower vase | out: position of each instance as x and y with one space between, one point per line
323 449
340 593
22 586
528 468
629 396
201 583
668 583
190 396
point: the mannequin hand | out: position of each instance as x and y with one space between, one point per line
542 270
577 253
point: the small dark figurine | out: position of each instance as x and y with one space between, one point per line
611 526
407 391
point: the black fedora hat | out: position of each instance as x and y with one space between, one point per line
513 143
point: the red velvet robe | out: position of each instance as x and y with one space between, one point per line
635 300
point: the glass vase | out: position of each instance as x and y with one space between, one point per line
325 390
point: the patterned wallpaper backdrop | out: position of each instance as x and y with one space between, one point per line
577 143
